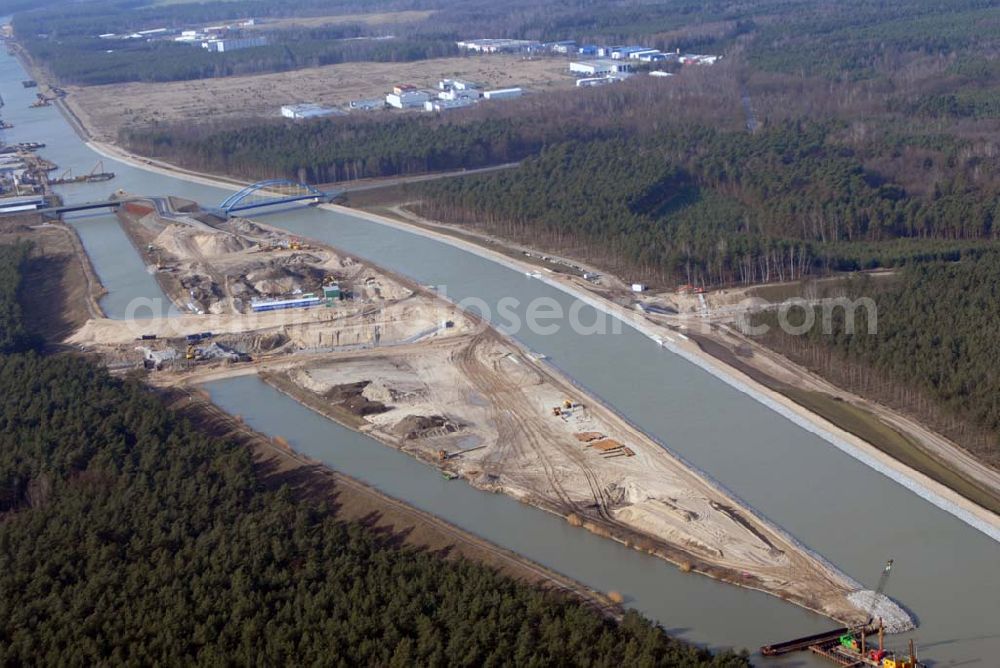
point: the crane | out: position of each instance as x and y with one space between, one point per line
850 639
882 581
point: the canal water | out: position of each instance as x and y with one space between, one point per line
945 572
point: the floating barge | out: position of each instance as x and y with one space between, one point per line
25 146
83 178
847 647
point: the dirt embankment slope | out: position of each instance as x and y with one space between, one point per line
63 289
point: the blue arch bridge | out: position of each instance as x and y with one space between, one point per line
273 192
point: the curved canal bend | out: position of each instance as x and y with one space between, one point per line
855 517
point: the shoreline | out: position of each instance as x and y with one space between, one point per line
930 490
829 598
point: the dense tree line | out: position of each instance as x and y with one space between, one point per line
129 536
346 149
718 207
14 337
90 61
932 354
692 197
861 38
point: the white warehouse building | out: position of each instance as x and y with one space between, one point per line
225 45
638 55
597 68
502 93
407 99
306 110
444 105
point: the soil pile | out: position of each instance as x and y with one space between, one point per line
351 397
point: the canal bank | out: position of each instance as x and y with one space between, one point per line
854 516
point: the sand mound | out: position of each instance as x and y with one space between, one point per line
185 242
284 275
894 617
245 226
415 426
379 391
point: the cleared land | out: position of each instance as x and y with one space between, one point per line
105 110
477 407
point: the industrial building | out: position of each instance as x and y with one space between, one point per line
586 82
625 52
596 68
406 98
454 94
458 85
502 94
306 110
567 46
369 104
638 55
331 293
498 45
457 89
226 45
698 59
653 57
22 203
303 301
444 105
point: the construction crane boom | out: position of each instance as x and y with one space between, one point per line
882 581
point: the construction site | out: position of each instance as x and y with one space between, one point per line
481 409
392 359
240 290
